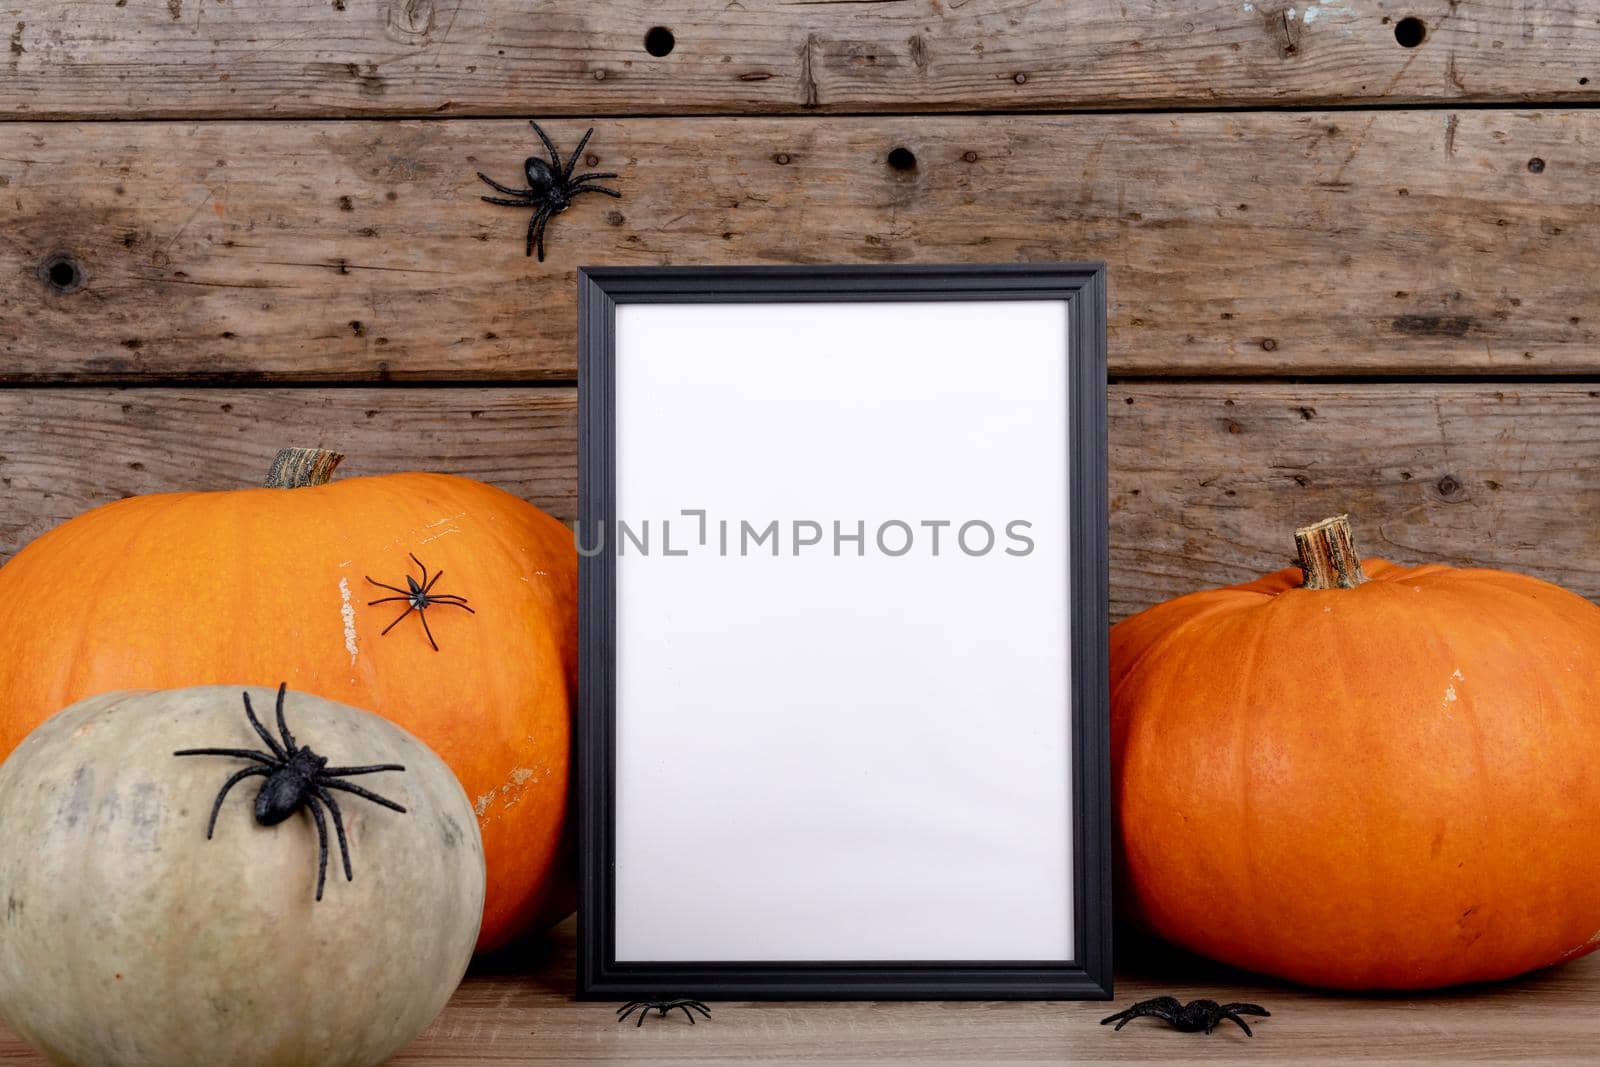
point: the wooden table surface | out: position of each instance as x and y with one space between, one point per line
518 1009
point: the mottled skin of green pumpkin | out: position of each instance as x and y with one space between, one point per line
127 938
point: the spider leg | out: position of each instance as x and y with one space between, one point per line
387 600
391 588
627 1007
432 582
501 188
419 563
222 794
272 743
345 772
366 794
1246 1009
525 202
686 1013
242 753
536 222
555 157
396 622
572 160
544 220
592 175
1242 1024
454 604
322 842
595 189
338 826
699 1007
283 725
423 615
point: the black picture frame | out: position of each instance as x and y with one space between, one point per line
1089 975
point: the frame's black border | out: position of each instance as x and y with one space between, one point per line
1082 286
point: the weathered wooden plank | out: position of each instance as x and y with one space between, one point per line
1339 243
65 450
282 58
1208 482
520 1009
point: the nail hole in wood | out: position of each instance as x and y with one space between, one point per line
62 273
1536 165
1410 32
902 159
658 41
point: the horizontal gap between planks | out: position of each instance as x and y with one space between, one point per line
1449 378
156 382
1209 380
1166 108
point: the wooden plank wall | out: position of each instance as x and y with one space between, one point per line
1352 245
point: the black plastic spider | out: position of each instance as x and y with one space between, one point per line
1192 1017
296 777
551 187
419 597
661 1006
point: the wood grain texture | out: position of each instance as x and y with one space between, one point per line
64 450
1208 481
518 1008
282 58
1341 243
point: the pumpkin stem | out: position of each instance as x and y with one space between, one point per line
297 468
1328 557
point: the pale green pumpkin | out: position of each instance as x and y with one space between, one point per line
127 938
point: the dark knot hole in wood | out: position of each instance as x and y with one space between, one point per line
902 159
62 273
659 41
1410 31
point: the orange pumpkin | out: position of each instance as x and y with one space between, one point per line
1363 776
259 586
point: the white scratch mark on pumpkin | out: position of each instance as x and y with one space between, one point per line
1579 950
347 612
481 805
512 791
441 533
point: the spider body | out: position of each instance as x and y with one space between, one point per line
296 777
551 187
284 791
1193 1017
419 597
661 1007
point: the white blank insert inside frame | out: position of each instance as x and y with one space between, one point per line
851 750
